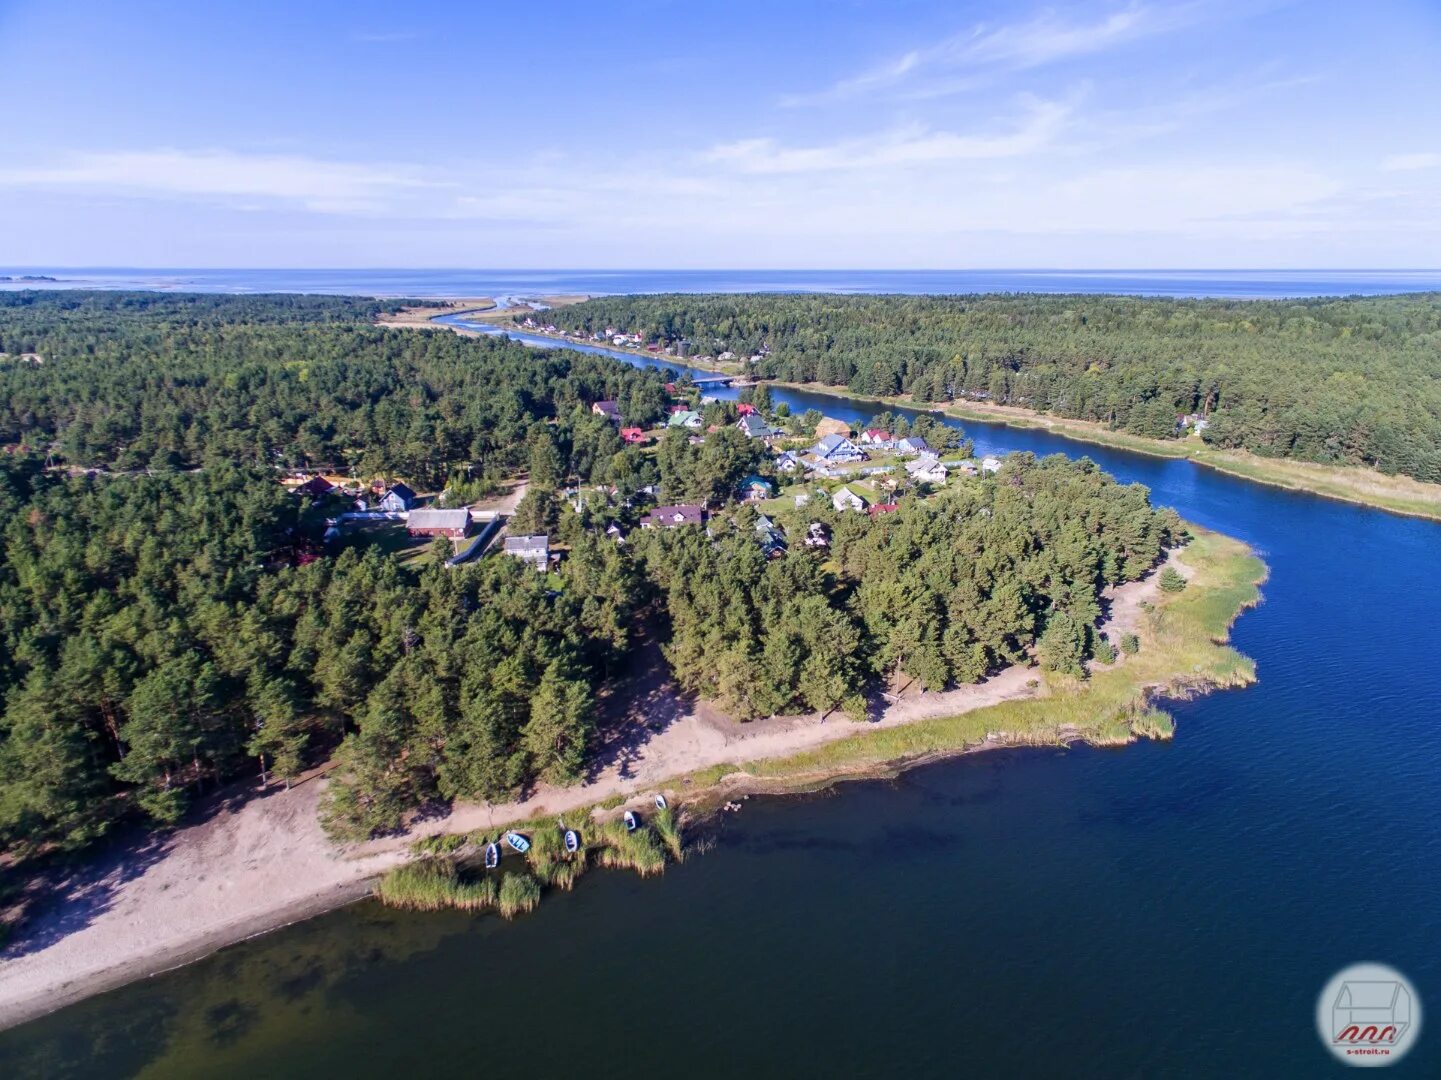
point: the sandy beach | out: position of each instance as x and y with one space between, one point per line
259 861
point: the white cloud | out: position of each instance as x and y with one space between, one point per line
912 145
1409 162
1047 38
324 186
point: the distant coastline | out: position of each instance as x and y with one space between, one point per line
455 284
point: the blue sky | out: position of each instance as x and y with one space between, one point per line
695 134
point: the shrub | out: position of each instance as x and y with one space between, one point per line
1171 580
1130 644
1105 652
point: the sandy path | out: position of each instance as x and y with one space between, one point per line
266 862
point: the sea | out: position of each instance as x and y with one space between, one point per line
1167 909
1235 284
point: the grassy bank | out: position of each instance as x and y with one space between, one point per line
1183 651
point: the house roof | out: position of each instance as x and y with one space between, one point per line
849 496
883 508
439 519
830 443
316 485
915 442
678 514
610 408
878 433
527 545
684 418
754 426
756 481
925 463
403 490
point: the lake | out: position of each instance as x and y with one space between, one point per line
1162 909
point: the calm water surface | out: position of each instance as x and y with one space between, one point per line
1160 910
382 282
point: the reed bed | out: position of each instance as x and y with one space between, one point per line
437 880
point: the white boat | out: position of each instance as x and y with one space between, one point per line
631 821
492 855
660 803
572 841
517 841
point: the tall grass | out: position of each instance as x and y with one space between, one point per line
432 884
436 880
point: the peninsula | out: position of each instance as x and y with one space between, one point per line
258 647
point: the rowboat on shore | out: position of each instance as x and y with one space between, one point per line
517 841
631 821
660 803
572 841
492 855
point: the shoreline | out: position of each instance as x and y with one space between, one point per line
267 864
1398 494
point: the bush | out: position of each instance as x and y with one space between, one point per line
1105 652
519 893
1171 580
1130 644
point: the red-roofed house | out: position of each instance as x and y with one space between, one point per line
315 487
745 409
882 508
634 436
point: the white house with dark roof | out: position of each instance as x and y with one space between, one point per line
534 550
837 448
913 444
927 469
397 498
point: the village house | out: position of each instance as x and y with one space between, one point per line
927 469
837 448
755 427
452 523
990 464
615 532
913 445
534 550
967 467
755 488
773 541
634 436
788 461
882 508
316 487
877 437
397 499
817 535
609 409
846 499
1194 421
669 517
685 418
829 426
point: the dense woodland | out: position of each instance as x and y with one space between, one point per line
149 380
1353 381
168 628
